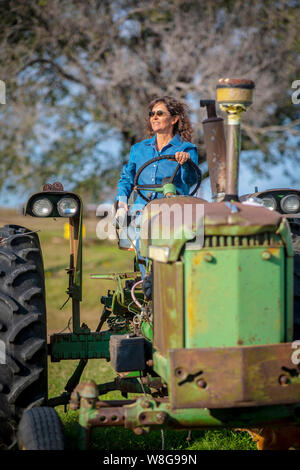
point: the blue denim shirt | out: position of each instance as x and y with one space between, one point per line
146 150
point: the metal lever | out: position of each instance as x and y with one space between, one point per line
210 107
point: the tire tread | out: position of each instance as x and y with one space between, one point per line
41 429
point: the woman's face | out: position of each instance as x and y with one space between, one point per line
161 120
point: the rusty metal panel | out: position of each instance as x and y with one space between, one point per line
234 377
168 306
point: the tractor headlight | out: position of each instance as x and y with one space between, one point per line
290 203
269 202
67 207
42 207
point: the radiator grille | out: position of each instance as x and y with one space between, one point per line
260 239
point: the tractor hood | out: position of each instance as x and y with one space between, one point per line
171 222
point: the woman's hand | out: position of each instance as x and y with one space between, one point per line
116 206
182 157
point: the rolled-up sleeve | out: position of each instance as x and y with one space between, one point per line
188 175
126 181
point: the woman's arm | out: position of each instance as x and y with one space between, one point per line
125 184
188 175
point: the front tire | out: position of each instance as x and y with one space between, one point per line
23 339
41 429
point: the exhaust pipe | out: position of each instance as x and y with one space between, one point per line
234 96
214 140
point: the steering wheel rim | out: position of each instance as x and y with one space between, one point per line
138 187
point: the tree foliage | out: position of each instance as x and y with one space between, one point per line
79 74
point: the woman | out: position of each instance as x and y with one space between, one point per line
170 130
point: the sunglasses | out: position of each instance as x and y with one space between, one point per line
158 113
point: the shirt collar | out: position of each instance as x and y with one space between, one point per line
151 141
176 140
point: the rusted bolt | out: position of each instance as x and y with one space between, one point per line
75 400
146 404
208 257
142 417
201 383
88 389
284 380
161 417
266 255
138 431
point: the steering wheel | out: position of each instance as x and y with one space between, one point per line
169 179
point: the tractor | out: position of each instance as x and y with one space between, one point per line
208 338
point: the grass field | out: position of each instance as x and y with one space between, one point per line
101 257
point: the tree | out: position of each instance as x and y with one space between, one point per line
80 72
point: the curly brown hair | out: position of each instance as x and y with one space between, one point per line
183 126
